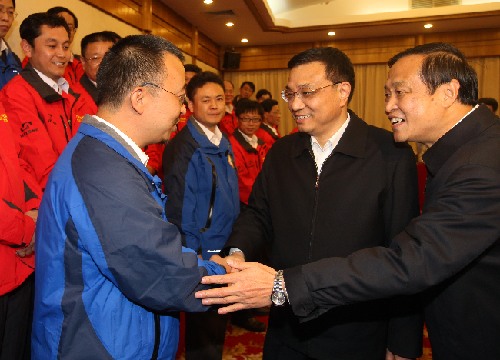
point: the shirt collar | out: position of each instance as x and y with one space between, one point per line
139 153
332 142
3 45
214 137
59 86
253 141
272 128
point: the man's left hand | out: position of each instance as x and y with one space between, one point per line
250 287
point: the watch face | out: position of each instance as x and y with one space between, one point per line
278 298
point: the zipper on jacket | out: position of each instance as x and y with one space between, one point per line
316 196
66 122
156 347
212 197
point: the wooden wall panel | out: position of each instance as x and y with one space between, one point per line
208 51
163 29
370 51
162 22
129 11
473 44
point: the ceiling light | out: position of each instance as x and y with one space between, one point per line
208 2
229 24
245 40
427 26
331 33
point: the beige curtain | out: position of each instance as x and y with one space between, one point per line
368 98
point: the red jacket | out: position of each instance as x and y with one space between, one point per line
228 124
42 120
266 134
248 162
155 153
19 193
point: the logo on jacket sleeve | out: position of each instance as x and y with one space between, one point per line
3 117
26 128
79 118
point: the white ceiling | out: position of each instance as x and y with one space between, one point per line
274 22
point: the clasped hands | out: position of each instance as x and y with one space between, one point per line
249 285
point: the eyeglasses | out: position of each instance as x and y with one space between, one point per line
9 11
182 98
304 93
94 60
248 119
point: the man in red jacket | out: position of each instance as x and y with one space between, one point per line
44 111
268 130
249 150
19 201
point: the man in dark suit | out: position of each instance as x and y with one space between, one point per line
451 253
336 186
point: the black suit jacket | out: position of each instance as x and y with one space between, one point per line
452 251
366 193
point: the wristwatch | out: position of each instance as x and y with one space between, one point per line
279 295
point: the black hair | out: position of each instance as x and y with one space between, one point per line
132 61
199 80
101 36
192 68
489 101
56 10
268 104
249 83
442 63
338 66
248 106
31 27
263 92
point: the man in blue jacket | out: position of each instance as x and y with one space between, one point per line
10 65
202 187
111 271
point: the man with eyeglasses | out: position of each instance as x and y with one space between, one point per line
201 185
111 270
249 150
449 256
10 65
94 47
335 187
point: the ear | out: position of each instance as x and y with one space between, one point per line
190 106
27 48
137 100
450 92
345 91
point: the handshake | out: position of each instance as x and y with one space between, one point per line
249 284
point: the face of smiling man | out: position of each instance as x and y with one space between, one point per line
415 114
322 109
50 51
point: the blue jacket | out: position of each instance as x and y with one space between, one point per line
108 262
9 68
202 185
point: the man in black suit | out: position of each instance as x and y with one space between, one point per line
336 186
451 253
